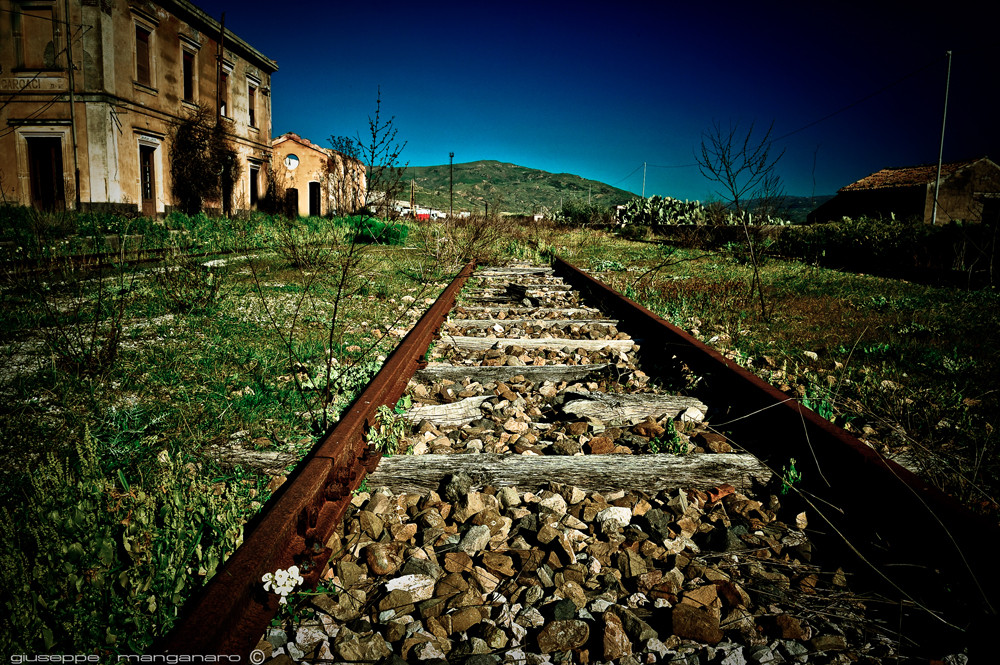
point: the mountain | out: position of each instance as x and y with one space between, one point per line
521 190
795 208
511 188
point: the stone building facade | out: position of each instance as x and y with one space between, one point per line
969 192
316 181
97 134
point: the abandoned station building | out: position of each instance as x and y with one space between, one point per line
97 133
969 191
317 181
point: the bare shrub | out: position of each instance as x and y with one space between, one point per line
189 284
476 238
83 313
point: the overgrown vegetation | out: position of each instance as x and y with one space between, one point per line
126 389
203 164
578 213
896 246
121 466
912 369
91 560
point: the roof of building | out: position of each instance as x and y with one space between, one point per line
908 176
292 136
203 21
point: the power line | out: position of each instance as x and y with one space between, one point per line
45 18
80 31
628 176
672 166
859 101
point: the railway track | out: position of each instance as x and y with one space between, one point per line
587 482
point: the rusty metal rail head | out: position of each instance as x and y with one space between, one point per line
229 615
880 500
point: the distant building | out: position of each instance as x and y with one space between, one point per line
969 191
98 134
316 181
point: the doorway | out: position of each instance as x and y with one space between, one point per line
45 170
147 180
291 203
314 202
254 188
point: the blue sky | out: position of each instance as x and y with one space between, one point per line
597 89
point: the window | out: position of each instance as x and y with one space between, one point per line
34 34
224 95
252 103
188 73
143 68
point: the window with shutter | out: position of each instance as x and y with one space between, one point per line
224 95
142 63
252 103
188 72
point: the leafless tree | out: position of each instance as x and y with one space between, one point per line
744 166
380 152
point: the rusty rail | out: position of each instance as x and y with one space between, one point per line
231 612
889 515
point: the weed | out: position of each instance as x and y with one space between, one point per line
669 442
818 402
387 432
789 477
608 265
96 560
190 284
294 601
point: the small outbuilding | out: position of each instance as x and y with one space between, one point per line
316 181
969 192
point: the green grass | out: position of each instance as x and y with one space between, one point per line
904 366
184 379
908 367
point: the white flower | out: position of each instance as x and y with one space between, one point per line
282 582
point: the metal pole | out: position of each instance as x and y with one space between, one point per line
451 184
944 116
220 53
72 106
644 180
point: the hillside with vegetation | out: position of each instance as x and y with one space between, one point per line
522 190
796 208
508 187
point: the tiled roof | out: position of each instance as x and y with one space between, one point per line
906 176
292 136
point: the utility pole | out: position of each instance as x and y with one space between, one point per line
72 105
451 184
221 52
944 116
644 180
